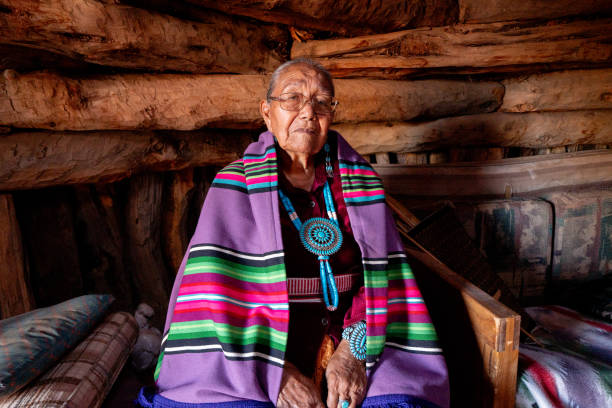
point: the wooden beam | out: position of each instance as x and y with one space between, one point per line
16 297
464 48
130 37
364 100
536 130
483 11
520 176
187 102
343 16
144 259
40 159
559 91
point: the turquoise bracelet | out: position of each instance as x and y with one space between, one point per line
356 336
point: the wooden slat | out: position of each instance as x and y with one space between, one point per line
41 159
534 130
121 36
523 175
465 48
15 298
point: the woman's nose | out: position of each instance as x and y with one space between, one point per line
307 111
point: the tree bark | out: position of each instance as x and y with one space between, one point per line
188 102
464 48
46 218
559 91
483 11
536 130
16 297
143 224
343 16
130 37
40 159
100 241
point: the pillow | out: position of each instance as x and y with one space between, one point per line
34 341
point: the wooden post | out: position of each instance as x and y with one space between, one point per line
144 255
16 298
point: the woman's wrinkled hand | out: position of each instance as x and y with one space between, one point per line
297 390
346 378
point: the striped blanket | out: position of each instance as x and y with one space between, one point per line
226 329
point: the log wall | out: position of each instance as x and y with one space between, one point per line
115 115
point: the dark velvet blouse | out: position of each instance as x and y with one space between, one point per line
309 320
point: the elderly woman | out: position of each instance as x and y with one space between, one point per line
295 244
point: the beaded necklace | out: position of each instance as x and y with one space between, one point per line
322 237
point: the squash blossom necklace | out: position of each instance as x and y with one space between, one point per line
320 236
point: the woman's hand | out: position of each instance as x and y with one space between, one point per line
297 390
346 378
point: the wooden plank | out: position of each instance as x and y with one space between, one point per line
534 130
559 91
187 102
40 159
523 175
465 48
143 241
121 36
480 11
343 16
16 298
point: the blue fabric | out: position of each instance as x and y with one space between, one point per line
148 399
396 401
32 342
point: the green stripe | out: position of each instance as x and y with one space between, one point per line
376 279
158 367
255 274
402 271
415 331
374 345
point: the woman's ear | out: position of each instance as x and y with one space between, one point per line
264 110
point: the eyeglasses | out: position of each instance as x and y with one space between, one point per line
322 105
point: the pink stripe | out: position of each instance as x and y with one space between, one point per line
261 179
358 171
363 193
238 310
230 177
268 156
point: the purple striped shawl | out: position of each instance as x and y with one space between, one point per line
227 323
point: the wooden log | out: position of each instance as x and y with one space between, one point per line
130 37
187 102
131 101
101 242
475 154
47 223
438 157
482 11
525 175
16 297
26 59
464 48
536 129
382 158
343 16
177 199
144 262
40 159
364 100
412 158
559 91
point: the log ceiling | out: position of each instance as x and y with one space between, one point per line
116 114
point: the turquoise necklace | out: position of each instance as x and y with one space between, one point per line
322 237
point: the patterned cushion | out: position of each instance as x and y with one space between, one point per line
34 341
84 376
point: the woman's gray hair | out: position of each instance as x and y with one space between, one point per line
305 61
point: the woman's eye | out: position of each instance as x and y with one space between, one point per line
323 102
292 97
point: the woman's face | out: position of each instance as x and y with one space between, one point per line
303 131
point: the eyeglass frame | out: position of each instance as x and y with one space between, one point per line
334 103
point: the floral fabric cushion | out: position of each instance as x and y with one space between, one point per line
32 342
